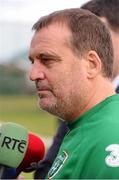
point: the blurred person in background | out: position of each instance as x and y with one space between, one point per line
72 64
108 12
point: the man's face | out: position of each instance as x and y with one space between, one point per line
59 74
115 41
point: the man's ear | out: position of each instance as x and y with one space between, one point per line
93 64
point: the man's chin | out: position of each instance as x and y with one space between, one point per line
50 108
46 105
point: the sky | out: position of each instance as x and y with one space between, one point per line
29 10
17 18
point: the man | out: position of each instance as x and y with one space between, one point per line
108 11
72 61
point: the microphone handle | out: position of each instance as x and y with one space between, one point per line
7 172
2 169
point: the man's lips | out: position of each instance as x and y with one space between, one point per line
43 92
42 89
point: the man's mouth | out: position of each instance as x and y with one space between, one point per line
43 89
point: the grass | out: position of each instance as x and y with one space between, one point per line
24 110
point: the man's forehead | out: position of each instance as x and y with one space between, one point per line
55 33
56 29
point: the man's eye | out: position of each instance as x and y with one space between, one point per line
31 62
46 60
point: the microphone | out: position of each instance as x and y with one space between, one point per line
19 149
35 152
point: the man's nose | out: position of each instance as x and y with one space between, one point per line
36 72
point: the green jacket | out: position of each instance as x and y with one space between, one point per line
90 150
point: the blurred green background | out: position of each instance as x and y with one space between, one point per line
23 109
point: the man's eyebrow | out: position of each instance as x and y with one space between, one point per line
46 55
49 56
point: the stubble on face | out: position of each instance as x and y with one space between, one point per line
56 101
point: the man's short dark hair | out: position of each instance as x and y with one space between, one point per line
87 33
105 8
